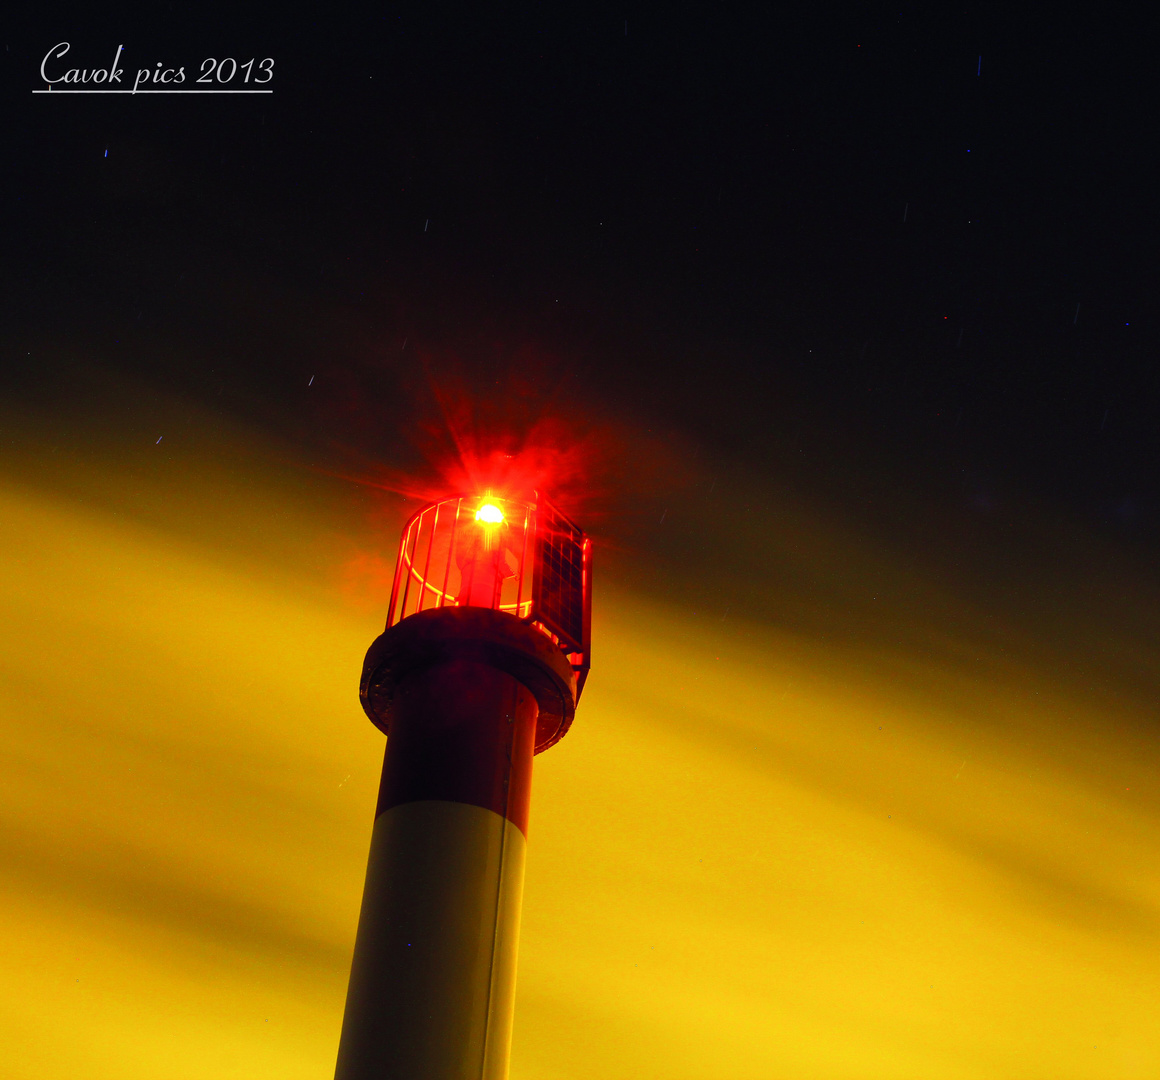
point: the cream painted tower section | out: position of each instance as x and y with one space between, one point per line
432 987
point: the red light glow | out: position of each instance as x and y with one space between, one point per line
489 514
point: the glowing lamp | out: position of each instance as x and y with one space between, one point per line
481 665
528 560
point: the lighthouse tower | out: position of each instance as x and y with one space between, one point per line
480 667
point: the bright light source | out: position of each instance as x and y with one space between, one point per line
489 514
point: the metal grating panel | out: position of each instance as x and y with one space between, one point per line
560 559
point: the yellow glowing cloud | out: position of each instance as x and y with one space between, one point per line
755 855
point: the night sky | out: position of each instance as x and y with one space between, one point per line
801 237
835 324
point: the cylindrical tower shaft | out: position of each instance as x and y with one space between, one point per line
479 668
433 978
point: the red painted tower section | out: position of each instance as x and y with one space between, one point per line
481 665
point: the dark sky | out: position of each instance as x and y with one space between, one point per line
856 250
